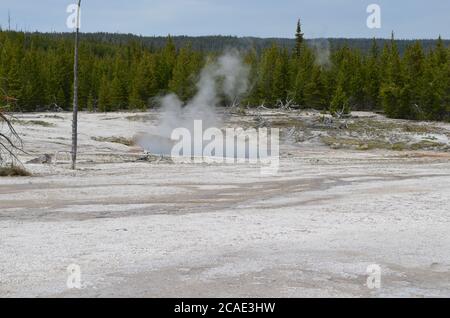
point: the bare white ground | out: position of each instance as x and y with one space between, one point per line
157 229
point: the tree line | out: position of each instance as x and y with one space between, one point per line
36 74
219 43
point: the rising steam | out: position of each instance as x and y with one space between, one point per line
226 77
322 51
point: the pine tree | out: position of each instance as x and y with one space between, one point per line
31 94
144 84
251 60
165 63
90 104
357 73
13 83
393 95
413 67
86 73
314 91
440 53
182 82
305 65
281 77
59 74
299 38
394 67
373 78
104 95
436 84
340 102
390 95
119 85
118 93
266 75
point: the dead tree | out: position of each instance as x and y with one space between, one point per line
75 92
285 105
10 142
236 103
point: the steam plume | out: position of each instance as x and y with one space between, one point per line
227 76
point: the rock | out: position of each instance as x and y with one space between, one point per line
336 146
155 159
363 147
43 159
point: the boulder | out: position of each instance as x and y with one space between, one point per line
42 159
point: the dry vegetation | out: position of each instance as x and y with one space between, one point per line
32 123
116 140
14 171
360 133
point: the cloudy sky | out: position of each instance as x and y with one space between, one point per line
261 18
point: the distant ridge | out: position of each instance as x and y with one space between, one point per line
220 43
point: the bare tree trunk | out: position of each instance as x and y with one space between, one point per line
75 93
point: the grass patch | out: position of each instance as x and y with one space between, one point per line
14 171
54 117
345 143
141 118
116 140
365 145
399 146
372 125
421 129
356 144
33 123
288 123
427 145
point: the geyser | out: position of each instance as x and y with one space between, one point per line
226 76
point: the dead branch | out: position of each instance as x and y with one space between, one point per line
236 104
10 141
262 107
286 105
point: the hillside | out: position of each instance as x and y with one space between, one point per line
219 43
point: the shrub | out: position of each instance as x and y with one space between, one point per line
14 171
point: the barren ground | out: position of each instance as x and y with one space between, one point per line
374 192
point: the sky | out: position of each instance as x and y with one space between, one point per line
409 19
